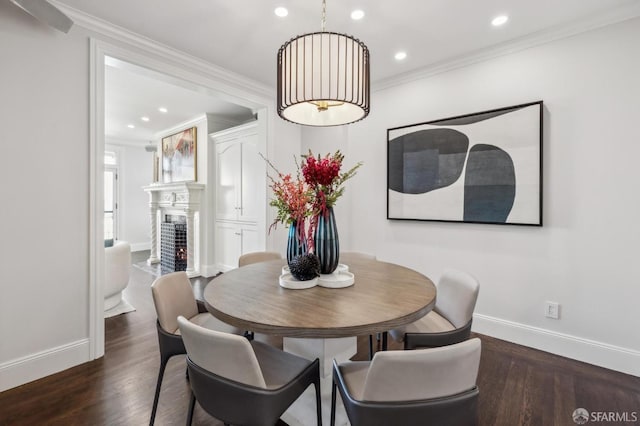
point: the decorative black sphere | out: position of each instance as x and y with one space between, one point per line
305 267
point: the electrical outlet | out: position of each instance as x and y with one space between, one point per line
552 310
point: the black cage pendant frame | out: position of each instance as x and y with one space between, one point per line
323 79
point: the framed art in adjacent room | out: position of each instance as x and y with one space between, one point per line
179 157
484 167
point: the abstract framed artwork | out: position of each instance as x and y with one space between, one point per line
179 157
483 167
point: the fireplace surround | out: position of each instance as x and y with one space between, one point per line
182 199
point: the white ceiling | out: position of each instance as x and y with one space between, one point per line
243 36
132 92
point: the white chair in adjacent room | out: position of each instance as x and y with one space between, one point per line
117 266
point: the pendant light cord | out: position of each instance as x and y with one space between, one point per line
324 14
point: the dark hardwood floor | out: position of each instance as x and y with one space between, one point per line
518 385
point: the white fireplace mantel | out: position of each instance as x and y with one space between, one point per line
178 195
175 198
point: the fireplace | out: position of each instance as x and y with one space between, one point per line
176 207
173 247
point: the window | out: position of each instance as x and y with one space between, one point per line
110 195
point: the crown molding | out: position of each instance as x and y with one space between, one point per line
522 43
198 119
118 141
238 81
126 36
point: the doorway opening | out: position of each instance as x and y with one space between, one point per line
111 184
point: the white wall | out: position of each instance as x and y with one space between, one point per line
585 255
45 117
44 82
135 170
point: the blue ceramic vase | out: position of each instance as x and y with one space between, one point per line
327 245
296 246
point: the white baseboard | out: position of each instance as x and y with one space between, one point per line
596 353
209 270
222 268
141 246
35 366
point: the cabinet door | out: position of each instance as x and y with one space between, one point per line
228 245
253 171
229 157
250 239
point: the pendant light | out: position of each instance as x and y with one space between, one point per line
323 78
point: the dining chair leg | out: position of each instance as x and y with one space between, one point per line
316 384
192 405
163 365
333 403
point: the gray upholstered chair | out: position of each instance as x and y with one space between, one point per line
258 256
435 386
173 297
241 382
450 321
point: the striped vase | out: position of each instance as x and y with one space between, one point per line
295 244
326 242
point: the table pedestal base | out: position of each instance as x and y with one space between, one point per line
303 411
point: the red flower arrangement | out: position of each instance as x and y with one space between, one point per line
321 171
323 176
319 188
291 198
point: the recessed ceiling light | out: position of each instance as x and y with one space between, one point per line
131 126
357 14
281 11
144 118
499 20
400 56
162 109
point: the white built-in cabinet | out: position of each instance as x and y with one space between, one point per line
239 200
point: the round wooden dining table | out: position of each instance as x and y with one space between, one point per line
321 322
384 296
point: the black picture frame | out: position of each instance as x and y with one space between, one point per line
483 167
